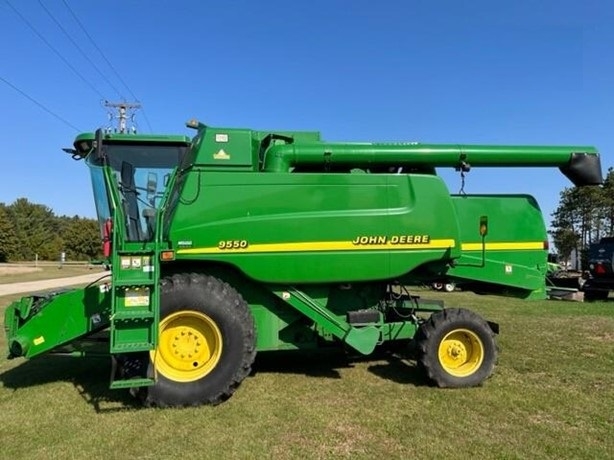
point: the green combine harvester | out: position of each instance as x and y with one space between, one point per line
240 241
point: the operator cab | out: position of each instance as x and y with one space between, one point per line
139 168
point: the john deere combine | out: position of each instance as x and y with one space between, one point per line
239 241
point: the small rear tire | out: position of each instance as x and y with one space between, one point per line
456 348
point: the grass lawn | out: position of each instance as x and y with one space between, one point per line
552 396
21 273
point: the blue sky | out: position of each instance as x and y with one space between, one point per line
429 71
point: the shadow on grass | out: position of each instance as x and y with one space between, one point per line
399 370
326 364
312 363
90 377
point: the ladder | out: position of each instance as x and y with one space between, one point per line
135 307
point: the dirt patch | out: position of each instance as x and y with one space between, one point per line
606 337
17 270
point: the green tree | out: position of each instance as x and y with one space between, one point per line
8 237
563 227
580 219
36 228
81 237
608 202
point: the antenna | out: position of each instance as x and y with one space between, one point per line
123 108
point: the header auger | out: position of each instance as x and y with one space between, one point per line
239 242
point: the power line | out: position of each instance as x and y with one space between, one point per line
83 53
84 30
98 49
70 66
67 123
146 119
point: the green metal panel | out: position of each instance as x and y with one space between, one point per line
282 328
225 147
515 248
311 228
39 324
363 339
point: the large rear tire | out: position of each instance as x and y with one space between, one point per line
456 348
206 343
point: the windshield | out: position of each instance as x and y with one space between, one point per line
141 173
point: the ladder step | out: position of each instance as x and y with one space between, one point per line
130 347
132 383
140 315
134 282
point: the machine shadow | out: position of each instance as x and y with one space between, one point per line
89 377
326 364
399 370
312 363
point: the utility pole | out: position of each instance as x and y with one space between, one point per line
122 112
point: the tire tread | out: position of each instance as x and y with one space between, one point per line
240 312
432 331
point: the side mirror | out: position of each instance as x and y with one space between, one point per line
98 148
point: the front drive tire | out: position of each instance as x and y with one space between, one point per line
206 344
456 348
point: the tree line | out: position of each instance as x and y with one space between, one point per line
583 216
29 230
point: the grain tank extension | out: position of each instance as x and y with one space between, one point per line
239 242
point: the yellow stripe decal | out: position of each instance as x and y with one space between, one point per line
532 245
320 246
323 246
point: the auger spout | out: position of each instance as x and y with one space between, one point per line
580 164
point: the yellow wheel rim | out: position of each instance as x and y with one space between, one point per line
461 353
189 346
